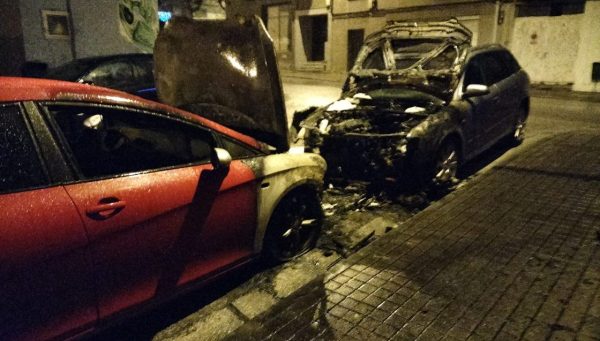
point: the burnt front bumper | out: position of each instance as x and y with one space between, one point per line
365 157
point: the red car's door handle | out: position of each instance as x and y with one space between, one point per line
105 209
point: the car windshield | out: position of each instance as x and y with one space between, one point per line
71 71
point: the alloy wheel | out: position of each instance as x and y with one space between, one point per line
294 228
446 167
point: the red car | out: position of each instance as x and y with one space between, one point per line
110 202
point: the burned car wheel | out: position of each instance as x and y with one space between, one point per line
446 165
294 227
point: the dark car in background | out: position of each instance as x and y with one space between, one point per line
132 73
419 101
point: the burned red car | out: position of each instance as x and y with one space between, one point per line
419 101
111 202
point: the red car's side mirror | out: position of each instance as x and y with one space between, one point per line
220 159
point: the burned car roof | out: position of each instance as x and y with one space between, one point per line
427 56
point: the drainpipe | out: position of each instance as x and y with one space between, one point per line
496 14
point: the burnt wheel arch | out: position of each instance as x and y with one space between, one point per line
427 173
299 205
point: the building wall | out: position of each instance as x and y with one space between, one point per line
589 48
244 8
345 6
12 54
387 4
340 29
546 47
37 46
480 18
354 6
96 30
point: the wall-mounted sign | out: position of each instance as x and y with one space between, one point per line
56 24
138 22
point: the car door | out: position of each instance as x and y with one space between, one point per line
478 128
45 274
156 214
495 73
513 90
500 72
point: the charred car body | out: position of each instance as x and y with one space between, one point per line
418 102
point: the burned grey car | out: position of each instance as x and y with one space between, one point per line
419 101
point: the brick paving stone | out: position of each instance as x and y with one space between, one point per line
512 255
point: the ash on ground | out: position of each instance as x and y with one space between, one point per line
358 212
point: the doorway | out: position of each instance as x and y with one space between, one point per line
313 29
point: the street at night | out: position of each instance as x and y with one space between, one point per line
517 260
289 170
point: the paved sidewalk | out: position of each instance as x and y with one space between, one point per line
513 255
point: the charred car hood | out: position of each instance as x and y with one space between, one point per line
224 70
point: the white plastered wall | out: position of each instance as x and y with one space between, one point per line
589 48
546 47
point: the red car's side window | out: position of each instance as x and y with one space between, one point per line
107 142
236 150
20 166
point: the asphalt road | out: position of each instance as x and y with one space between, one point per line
548 116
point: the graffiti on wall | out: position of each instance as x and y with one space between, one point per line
138 22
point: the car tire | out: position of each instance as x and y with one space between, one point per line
517 135
446 165
294 227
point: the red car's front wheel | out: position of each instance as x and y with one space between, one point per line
294 227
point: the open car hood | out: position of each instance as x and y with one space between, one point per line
226 71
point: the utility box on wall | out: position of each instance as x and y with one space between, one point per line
596 72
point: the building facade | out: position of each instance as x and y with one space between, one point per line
555 40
